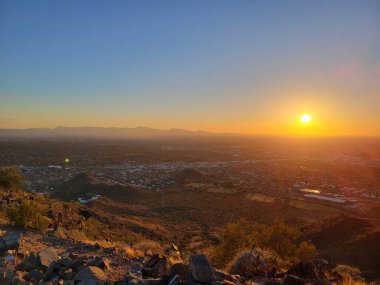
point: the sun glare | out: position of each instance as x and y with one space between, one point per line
306 118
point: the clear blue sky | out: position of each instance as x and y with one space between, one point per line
244 66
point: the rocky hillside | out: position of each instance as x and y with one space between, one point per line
47 241
31 258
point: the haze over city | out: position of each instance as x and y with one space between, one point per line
219 66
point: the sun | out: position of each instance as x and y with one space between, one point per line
305 118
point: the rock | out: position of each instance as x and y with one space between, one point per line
2 261
176 280
305 270
135 268
321 282
18 281
28 264
293 280
151 282
22 253
180 269
52 270
10 241
78 265
222 276
47 256
34 276
102 263
133 277
6 276
120 282
10 259
152 261
272 282
66 262
66 273
155 267
200 269
90 275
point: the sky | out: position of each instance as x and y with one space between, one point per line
222 66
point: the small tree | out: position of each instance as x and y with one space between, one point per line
10 177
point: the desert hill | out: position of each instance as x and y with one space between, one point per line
190 175
86 186
350 240
98 132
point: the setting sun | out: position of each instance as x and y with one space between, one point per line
306 118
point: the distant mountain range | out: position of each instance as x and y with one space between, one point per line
98 132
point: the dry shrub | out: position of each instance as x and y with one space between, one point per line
28 214
77 235
347 280
253 262
128 251
350 275
11 178
149 246
279 237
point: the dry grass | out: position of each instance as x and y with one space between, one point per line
347 280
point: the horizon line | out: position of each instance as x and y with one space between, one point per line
200 131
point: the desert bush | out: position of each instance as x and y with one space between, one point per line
307 251
278 238
237 237
253 262
11 178
28 214
92 228
348 280
77 235
149 245
348 273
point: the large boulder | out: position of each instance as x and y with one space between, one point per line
6 276
47 256
10 241
200 269
90 275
